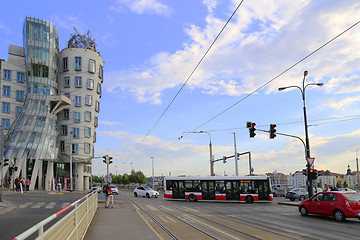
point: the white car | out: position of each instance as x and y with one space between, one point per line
145 192
114 189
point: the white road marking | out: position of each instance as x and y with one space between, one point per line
38 205
167 209
25 204
51 205
152 208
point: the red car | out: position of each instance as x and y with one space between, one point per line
341 205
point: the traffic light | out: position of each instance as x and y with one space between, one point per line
224 159
11 170
107 159
15 169
272 131
313 174
305 172
6 162
252 130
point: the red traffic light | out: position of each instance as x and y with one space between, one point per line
253 124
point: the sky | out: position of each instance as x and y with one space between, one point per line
151 47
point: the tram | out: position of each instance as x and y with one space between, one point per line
245 188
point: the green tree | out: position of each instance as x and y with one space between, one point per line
125 179
140 177
345 184
338 185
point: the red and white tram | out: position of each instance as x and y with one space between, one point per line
245 188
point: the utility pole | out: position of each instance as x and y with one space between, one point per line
152 161
2 163
236 157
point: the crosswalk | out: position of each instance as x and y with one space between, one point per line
46 205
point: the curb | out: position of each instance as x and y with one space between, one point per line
6 207
295 204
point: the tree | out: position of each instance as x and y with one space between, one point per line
125 179
338 185
345 184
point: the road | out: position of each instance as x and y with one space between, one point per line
190 220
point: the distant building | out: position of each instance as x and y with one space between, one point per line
326 178
50 102
298 179
278 178
351 179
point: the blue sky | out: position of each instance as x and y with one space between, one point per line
150 48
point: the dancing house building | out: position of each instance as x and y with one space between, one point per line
50 103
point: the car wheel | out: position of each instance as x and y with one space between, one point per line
135 194
192 198
156 196
339 216
292 199
304 211
147 195
302 198
249 199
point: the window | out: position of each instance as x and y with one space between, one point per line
66 81
92 66
7 74
64 130
77 100
20 77
65 64
87 147
40 122
78 63
87 132
88 100
75 148
97 106
87 116
96 121
6 123
6 107
78 82
329 197
67 94
76 132
20 96
66 114
62 146
94 137
77 117
90 84
17 111
99 88
6 91
100 71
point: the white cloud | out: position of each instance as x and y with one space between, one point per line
109 123
261 41
343 104
142 7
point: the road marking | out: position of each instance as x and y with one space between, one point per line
51 205
38 205
152 208
167 209
65 204
25 204
216 229
189 209
162 218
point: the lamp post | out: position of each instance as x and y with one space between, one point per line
152 163
357 171
210 147
71 177
307 144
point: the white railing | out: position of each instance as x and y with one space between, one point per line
72 226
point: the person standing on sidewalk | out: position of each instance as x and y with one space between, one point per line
110 196
9 183
27 183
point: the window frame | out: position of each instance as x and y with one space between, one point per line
78 81
92 66
5 107
65 64
78 63
66 82
77 101
77 117
20 77
7 74
6 91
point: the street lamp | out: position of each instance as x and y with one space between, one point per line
307 148
71 177
210 147
357 171
152 163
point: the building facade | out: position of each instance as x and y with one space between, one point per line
58 117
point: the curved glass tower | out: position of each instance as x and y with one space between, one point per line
32 141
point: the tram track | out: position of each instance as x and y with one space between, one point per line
224 229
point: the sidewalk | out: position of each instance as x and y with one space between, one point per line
120 222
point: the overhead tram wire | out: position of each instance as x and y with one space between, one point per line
197 65
277 76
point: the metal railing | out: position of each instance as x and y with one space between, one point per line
72 226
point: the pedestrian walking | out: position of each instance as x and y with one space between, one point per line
27 183
9 183
326 188
110 196
17 184
104 191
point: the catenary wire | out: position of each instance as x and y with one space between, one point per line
277 76
197 65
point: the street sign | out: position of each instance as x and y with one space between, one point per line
310 161
107 179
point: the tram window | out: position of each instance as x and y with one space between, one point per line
169 185
219 187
